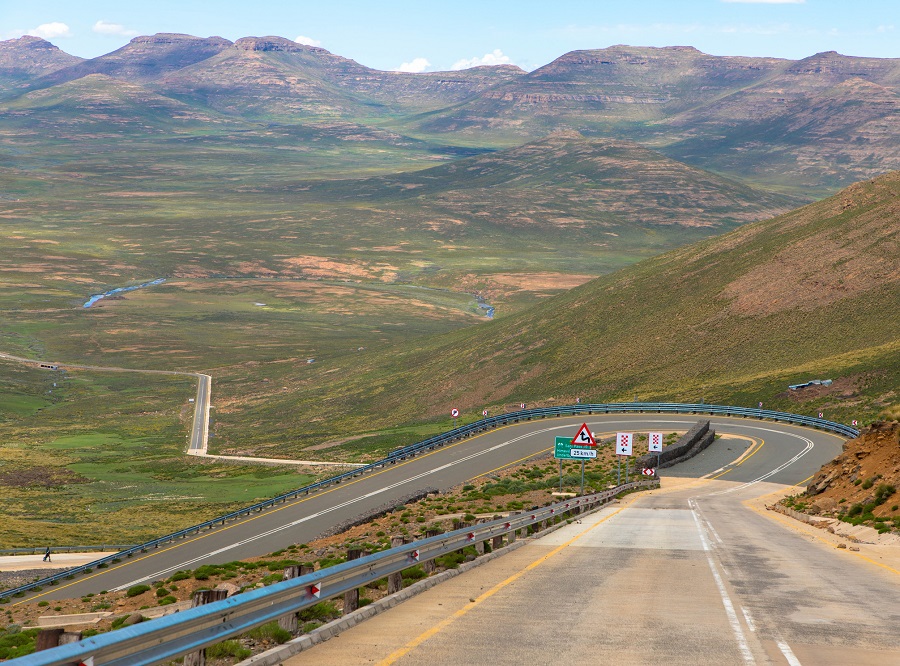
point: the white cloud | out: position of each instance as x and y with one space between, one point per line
50 30
417 65
495 57
765 2
307 41
106 28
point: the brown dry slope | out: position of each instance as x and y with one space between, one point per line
863 479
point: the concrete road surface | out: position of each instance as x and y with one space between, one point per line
691 574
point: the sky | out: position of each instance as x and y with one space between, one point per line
428 35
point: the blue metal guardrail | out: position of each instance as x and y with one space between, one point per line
64 549
160 640
446 438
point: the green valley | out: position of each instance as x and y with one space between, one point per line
350 252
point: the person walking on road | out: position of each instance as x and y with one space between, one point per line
47 555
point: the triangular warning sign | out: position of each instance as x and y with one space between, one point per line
583 437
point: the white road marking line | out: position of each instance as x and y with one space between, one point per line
788 653
182 565
807 449
708 525
733 620
749 619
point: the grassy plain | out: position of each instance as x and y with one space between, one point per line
91 457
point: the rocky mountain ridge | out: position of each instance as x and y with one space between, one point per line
808 125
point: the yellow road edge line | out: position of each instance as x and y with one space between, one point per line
443 624
747 453
744 457
514 462
792 524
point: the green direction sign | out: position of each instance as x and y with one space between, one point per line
563 450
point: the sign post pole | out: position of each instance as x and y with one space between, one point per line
580 447
624 441
655 444
618 470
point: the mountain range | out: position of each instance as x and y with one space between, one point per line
806 126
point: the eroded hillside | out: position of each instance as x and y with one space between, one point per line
862 482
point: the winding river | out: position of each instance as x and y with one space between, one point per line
122 290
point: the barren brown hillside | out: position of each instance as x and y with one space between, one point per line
861 482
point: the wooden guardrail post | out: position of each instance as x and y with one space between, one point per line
479 544
351 597
497 542
51 638
429 565
395 580
201 598
289 622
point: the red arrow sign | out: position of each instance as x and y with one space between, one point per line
315 590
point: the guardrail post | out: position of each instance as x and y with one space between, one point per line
289 622
479 544
497 542
511 535
51 638
47 638
429 565
351 597
395 580
201 598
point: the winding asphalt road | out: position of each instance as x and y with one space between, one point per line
766 451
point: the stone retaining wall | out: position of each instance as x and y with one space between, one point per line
688 445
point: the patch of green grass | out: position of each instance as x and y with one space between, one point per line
136 590
16 642
231 649
320 612
270 632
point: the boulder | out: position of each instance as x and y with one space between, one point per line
134 618
823 505
230 588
